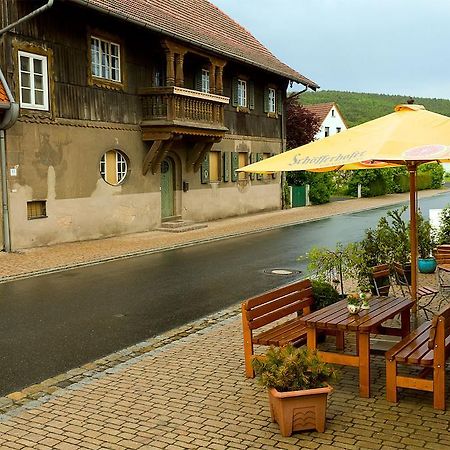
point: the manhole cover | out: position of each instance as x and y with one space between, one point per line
282 271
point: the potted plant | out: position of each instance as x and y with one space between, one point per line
297 381
426 242
354 303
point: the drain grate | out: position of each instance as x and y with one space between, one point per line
282 271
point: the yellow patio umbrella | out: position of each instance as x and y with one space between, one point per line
409 136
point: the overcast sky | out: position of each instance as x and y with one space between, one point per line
383 46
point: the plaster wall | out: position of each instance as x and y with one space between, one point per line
332 122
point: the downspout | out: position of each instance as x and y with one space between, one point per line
9 118
29 16
283 140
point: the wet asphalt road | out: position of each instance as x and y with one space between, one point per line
52 323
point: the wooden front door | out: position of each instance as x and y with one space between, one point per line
167 183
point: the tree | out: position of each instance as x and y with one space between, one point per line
301 128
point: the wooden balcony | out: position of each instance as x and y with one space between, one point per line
182 111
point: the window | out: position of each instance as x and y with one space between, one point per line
243 161
327 131
214 166
271 101
113 167
332 113
338 129
105 59
205 80
36 209
33 81
242 93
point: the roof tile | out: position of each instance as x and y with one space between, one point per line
201 23
321 110
3 96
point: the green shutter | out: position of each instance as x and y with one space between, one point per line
234 92
234 165
204 173
252 160
226 166
198 80
251 95
279 103
259 157
266 99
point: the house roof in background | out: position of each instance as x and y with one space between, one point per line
321 110
200 23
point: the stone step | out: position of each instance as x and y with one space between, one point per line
180 226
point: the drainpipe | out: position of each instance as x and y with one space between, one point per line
32 14
283 139
9 118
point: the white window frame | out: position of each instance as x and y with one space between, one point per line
121 167
272 100
242 93
102 60
33 105
205 81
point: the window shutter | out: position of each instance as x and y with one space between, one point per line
252 160
204 174
198 80
234 165
234 92
279 103
251 95
226 166
266 99
259 157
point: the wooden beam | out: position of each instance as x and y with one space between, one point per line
194 153
206 148
152 152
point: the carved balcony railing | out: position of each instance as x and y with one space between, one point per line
181 106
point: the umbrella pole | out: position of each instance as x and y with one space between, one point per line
413 231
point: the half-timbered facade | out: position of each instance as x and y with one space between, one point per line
135 112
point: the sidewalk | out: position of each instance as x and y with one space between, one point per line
186 389
58 257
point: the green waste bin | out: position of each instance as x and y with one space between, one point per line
298 196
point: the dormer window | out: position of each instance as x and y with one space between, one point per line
105 59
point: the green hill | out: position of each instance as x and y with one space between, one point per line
360 107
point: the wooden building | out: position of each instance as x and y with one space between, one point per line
134 112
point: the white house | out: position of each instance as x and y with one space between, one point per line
330 118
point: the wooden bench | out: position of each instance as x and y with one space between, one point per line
428 347
269 307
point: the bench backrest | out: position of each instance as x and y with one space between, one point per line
442 321
442 254
278 303
381 273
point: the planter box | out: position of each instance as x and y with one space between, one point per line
299 410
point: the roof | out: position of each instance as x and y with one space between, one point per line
3 96
321 110
200 23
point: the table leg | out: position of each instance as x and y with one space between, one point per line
311 338
406 323
364 364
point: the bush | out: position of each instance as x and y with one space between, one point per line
443 234
324 294
321 185
436 173
372 182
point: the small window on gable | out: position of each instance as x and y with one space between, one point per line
33 81
105 59
327 131
332 113
205 80
36 209
113 167
272 101
242 93
338 129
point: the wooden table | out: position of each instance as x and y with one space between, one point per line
337 317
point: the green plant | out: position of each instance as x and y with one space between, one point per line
435 173
400 244
425 235
443 234
286 198
292 369
354 300
321 185
324 294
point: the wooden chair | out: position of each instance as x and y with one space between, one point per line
381 279
428 347
442 255
422 291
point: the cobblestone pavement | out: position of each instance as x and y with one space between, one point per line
186 388
57 257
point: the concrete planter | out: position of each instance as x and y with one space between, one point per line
299 410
